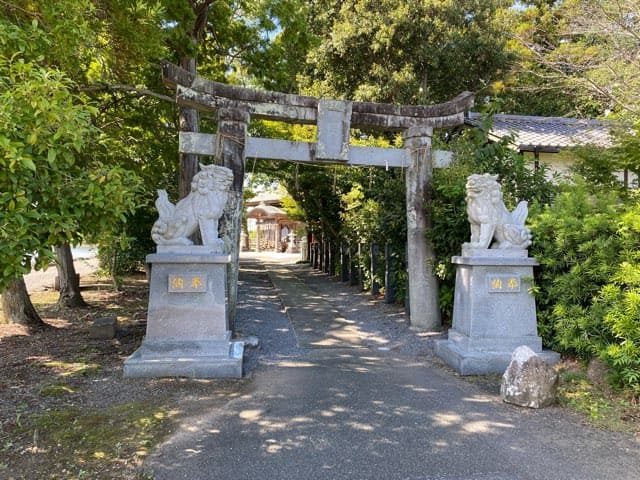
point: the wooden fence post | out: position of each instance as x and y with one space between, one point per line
360 269
353 266
374 249
327 255
333 254
389 287
344 262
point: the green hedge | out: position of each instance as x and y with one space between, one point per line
588 283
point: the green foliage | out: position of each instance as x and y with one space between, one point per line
575 243
576 57
82 182
627 148
51 199
598 167
588 284
405 52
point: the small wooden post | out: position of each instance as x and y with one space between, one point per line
328 256
374 250
232 132
423 284
316 255
389 287
344 262
360 269
321 258
353 267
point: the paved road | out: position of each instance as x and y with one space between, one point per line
84 261
331 407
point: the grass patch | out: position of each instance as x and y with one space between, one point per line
72 369
90 445
600 407
48 297
57 390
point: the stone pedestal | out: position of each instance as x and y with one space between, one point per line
187 327
493 312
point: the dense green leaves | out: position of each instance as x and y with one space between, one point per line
588 289
50 198
407 52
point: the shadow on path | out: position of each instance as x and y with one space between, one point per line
334 406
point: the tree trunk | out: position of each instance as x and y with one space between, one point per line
70 295
189 118
17 306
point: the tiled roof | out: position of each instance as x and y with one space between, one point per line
267 198
263 210
549 133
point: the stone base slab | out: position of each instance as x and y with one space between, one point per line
182 358
482 362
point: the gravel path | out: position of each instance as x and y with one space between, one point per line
383 327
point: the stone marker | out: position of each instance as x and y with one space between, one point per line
187 326
493 311
104 328
529 381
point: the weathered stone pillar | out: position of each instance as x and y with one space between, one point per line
232 132
423 284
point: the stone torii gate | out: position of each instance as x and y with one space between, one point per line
231 145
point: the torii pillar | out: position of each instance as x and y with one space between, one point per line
232 134
424 308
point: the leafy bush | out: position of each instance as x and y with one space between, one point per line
575 243
588 283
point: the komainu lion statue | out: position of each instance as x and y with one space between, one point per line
201 209
490 219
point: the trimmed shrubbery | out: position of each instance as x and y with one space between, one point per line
588 283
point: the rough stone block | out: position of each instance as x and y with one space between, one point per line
104 328
529 381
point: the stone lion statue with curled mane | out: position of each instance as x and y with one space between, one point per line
201 209
489 218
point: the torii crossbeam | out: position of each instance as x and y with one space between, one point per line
231 145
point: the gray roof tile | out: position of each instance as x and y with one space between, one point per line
549 132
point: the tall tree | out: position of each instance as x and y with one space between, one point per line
51 199
187 22
54 192
586 50
408 52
